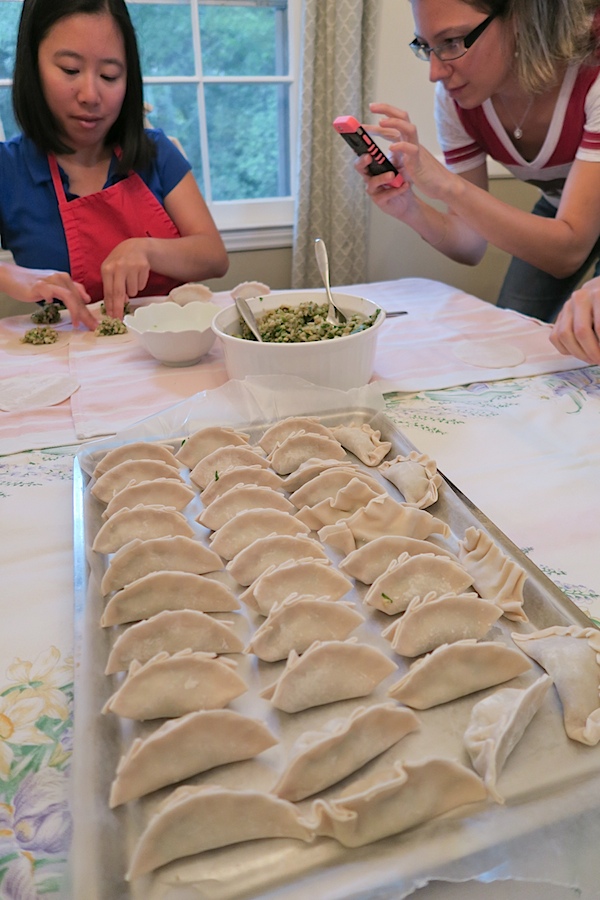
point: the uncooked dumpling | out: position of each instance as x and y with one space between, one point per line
205 440
327 483
496 726
383 516
366 563
433 620
392 801
416 477
186 746
190 292
143 522
310 577
364 441
169 686
171 631
298 621
326 672
495 576
569 654
156 492
278 432
322 758
455 670
167 590
414 576
212 466
272 550
195 819
310 469
135 450
251 524
246 290
350 498
138 558
338 536
131 471
241 475
302 446
241 497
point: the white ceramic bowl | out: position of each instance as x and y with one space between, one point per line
174 335
343 363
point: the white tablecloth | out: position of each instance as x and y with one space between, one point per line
415 352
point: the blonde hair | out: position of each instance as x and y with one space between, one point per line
549 34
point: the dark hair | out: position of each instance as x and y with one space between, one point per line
31 110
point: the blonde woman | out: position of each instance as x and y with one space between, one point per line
516 81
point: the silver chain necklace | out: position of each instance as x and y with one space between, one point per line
517 126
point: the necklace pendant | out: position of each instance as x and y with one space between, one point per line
518 133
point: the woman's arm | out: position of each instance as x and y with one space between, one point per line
577 328
198 254
32 285
558 246
443 230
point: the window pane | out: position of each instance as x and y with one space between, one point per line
175 110
164 33
9 24
248 140
242 40
6 113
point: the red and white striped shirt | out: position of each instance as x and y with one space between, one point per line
468 136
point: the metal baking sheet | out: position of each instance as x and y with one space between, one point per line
542 766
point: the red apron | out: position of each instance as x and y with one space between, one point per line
96 223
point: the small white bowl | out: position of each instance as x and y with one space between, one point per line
343 363
174 335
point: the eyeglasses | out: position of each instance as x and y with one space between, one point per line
453 48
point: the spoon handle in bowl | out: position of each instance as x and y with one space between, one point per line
248 317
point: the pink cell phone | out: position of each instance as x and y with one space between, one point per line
362 142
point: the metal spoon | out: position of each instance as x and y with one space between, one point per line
248 316
334 315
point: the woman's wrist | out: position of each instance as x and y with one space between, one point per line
453 189
429 224
437 235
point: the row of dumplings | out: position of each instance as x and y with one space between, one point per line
172 579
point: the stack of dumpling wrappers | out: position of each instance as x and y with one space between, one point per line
285 613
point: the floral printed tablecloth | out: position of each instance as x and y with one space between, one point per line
36 672
526 451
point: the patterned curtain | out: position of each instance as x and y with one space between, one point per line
337 79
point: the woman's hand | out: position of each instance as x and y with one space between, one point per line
418 165
577 328
125 273
33 285
395 201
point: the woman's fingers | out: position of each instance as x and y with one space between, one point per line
59 286
577 328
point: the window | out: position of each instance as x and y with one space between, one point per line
221 76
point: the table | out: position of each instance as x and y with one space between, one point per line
524 449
